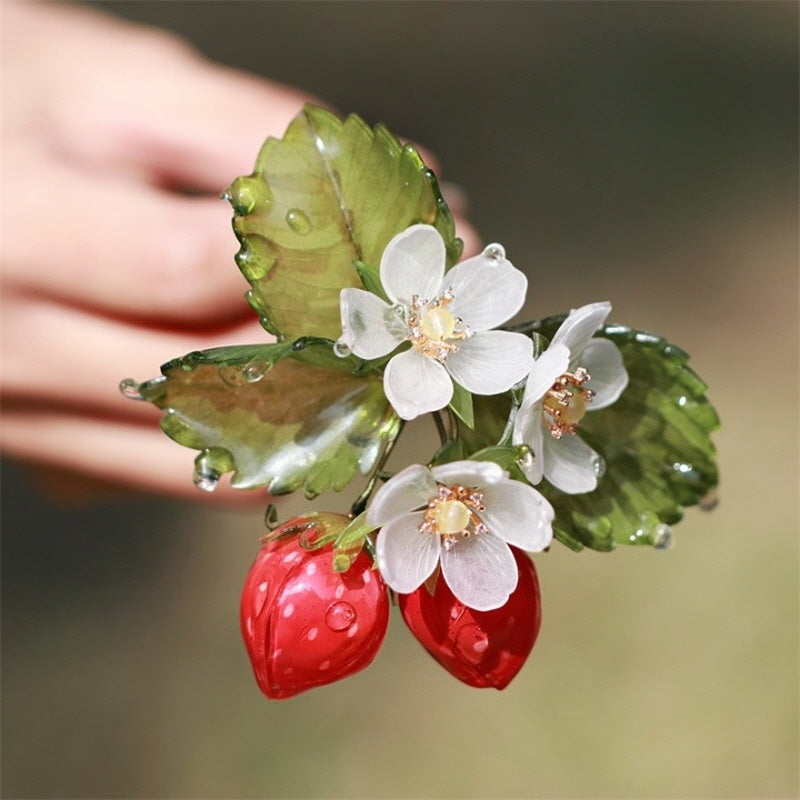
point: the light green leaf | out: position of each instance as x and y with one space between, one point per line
275 421
655 441
330 193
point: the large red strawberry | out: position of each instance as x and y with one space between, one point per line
481 648
305 625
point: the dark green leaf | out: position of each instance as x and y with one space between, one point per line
655 441
329 193
283 424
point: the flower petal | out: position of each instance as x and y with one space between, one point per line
405 557
480 571
550 365
491 361
603 362
469 473
569 464
409 489
486 292
369 326
416 384
413 263
518 514
580 326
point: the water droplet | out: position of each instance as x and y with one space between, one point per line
341 348
130 388
494 251
471 642
298 221
255 371
663 537
526 459
340 616
599 465
710 501
207 481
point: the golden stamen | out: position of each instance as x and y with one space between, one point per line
452 513
565 402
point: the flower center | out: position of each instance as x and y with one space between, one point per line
452 513
434 330
565 402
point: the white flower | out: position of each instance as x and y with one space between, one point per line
465 515
447 318
574 375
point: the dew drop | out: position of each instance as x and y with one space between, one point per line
663 537
298 221
599 465
130 388
710 501
255 371
341 348
206 481
340 616
495 252
471 642
526 459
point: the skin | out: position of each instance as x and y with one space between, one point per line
129 159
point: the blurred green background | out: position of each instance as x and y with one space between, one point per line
644 153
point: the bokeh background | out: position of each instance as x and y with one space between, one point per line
644 153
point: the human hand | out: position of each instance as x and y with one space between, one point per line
117 252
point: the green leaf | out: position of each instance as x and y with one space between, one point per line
283 423
655 441
330 193
462 405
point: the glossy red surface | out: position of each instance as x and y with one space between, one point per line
305 625
481 648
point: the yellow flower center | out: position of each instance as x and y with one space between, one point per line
452 513
565 402
438 324
433 329
451 516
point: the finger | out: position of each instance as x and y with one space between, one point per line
131 456
63 355
116 245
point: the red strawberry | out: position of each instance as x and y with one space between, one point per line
481 648
305 625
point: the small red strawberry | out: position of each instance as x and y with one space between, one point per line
305 625
480 648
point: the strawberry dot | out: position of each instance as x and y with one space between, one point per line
324 665
312 634
288 610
